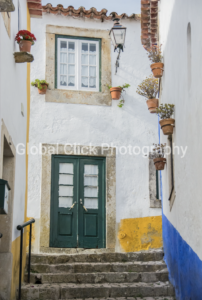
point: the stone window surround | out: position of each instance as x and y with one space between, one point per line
79 150
154 202
78 97
7 22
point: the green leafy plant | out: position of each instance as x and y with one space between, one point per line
165 111
121 103
123 87
39 83
155 54
148 88
158 150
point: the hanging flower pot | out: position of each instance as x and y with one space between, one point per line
25 46
42 86
25 39
157 69
165 111
115 93
149 89
154 54
152 105
158 156
44 89
159 163
167 126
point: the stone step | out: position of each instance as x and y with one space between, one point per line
115 290
124 298
98 277
136 266
152 255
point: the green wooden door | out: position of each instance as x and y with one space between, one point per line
77 202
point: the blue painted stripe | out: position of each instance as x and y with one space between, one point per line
185 267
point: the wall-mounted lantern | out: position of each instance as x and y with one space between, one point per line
6 5
118 35
4 196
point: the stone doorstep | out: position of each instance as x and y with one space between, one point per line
99 277
74 251
66 291
99 267
125 298
152 255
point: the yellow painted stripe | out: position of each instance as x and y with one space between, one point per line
140 234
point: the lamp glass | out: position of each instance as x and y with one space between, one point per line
119 35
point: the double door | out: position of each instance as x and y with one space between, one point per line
77 202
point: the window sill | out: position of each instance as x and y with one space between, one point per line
78 97
155 203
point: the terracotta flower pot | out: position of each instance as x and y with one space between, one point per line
152 105
44 89
115 93
167 126
157 69
159 163
25 46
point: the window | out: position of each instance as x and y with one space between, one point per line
154 184
78 64
158 185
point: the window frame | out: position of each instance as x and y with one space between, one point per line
78 41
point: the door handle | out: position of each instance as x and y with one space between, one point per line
72 205
85 208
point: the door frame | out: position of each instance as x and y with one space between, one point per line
52 216
110 189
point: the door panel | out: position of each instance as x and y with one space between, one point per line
91 210
65 224
64 195
90 225
77 202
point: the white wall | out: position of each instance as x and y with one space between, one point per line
174 18
68 123
13 92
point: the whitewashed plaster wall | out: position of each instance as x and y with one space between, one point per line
74 123
13 92
186 211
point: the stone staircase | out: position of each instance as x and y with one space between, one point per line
109 275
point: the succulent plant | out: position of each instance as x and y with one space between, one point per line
165 111
38 83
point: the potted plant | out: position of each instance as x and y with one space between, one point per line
25 39
116 91
149 89
42 85
158 156
165 111
155 55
